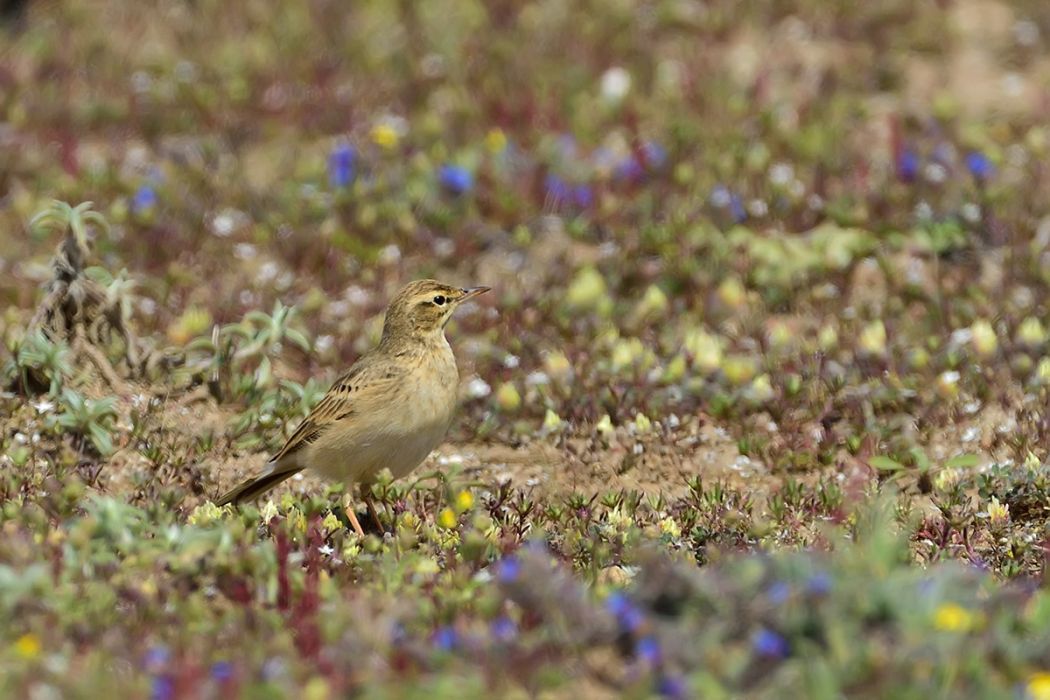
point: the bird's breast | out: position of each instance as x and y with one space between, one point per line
399 434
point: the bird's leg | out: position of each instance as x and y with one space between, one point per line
349 509
366 496
375 515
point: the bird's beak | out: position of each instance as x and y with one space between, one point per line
471 292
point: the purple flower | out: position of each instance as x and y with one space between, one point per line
819 583
629 169
145 200
736 208
156 658
341 165
567 145
162 688
769 644
504 629
222 671
583 195
779 592
655 155
455 179
629 617
617 603
907 165
507 570
446 638
648 650
723 198
979 165
672 687
557 189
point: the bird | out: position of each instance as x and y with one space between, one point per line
389 410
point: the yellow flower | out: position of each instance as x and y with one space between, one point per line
552 422
385 136
1038 686
732 293
739 369
706 349
873 339
998 513
946 479
1031 332
269 511
668 526
495 140
447 519
331 523
828 338
427 566
317 688
507 397
950 617
464 501
28 646
983 338
206 513
410 520
297 519
619 519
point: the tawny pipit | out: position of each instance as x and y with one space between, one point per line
389 410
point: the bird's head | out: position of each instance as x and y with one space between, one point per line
422 308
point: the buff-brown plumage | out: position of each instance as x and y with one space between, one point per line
389 410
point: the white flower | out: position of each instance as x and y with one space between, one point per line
478 388
616 83
44 406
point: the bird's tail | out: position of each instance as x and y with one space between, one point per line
253 488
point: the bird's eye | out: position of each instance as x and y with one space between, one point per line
439 300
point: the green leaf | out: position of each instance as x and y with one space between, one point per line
885 464
964 461
101 439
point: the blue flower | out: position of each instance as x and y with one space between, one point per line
648 650
446 638
617 603
507 570
557 189
768 643
723 198
145 200
341 165
779 592
567 145
819 583
455 179
908 165
222 671
583 195
629 617
979 165
162 688
672 687
736 208
655 155
155 658
629 169
504 629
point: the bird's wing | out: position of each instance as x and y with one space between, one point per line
365 384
